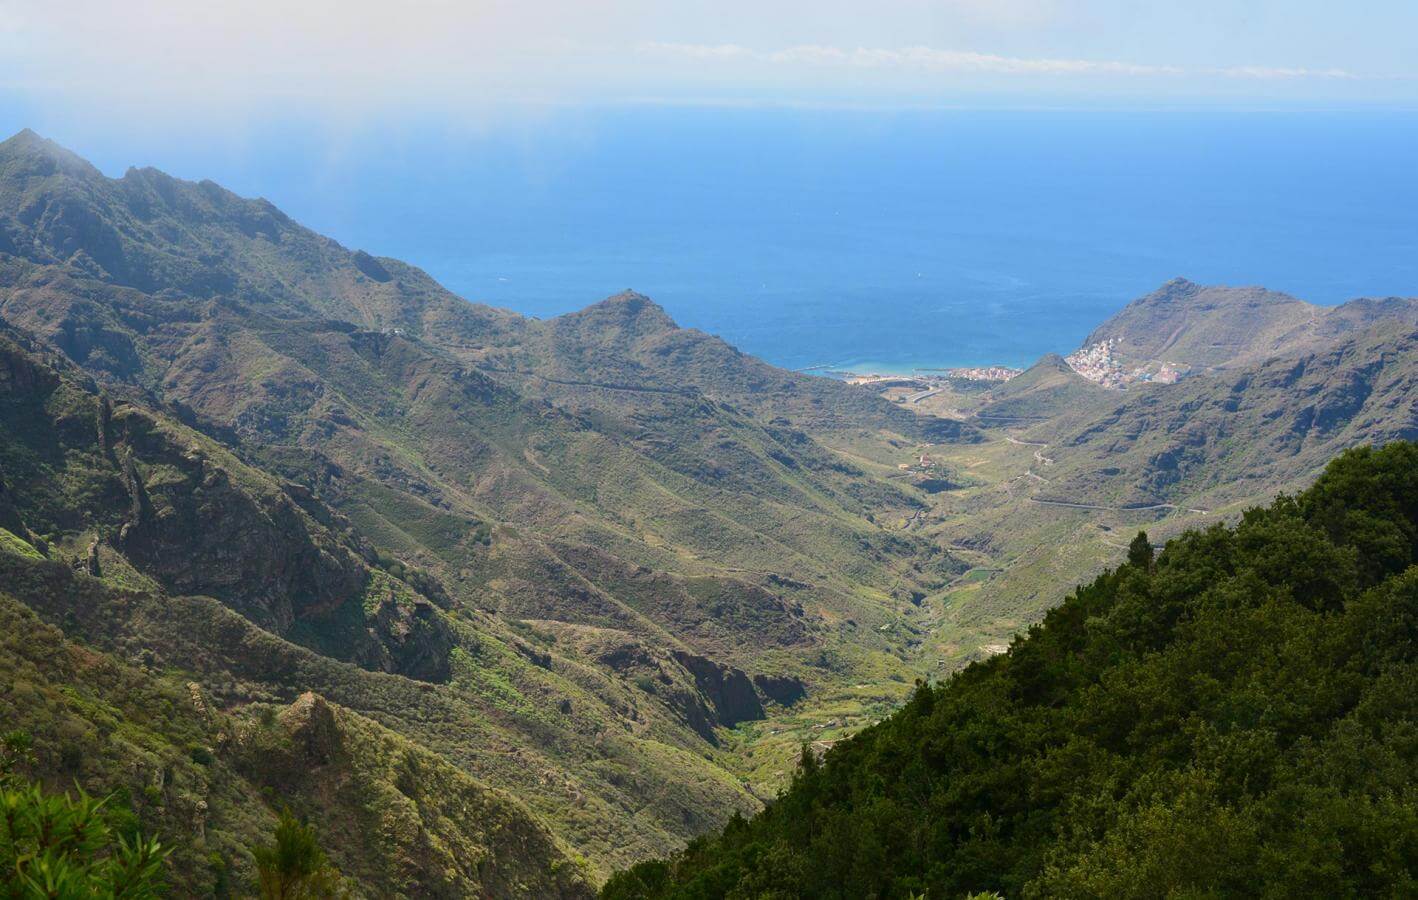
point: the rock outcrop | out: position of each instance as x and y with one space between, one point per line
784 690
728 689
196 520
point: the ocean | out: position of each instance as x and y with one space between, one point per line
868 240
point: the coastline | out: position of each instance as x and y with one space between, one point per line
902 370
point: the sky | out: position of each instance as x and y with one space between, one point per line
190 85
171 64
583 142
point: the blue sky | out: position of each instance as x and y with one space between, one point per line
197 87
175 63
538 154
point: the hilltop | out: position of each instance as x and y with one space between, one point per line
1196 328
629 340
1040 392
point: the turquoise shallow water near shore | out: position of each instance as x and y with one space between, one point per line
845 238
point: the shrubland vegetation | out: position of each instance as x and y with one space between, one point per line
500 605
220 411
1232 716
292 866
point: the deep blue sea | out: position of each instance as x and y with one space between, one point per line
869 240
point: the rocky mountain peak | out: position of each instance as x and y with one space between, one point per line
633 306
311 724
30 154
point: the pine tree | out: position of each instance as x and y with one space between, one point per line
293 867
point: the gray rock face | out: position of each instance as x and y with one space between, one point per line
311 724
728 689
784 690
197 522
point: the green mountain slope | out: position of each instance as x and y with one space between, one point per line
629 341
1041 392
1213 439
1232 717
105 508
430 554
1051 500
362 406
1209 327
121 488
567 558
211 782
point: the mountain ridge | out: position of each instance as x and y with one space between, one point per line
611 580
1205 328
1277 421
611 566
407 298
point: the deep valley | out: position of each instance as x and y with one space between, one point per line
505 605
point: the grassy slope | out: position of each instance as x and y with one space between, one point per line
1040 392
1210 327
1210 446
1204 327
209 783
503 693
391 412
684 519
1234 717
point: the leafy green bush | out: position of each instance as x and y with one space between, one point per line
62 845
16 751
292 866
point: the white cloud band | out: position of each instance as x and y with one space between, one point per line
931 59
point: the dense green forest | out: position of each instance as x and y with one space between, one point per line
1232 716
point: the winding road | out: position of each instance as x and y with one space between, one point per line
1040 458
1144 508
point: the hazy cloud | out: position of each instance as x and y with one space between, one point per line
364 59
919 58
964 61
1271 72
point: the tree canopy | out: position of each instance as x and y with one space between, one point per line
1234 716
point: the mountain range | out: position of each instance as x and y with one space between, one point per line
577 550
505 604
